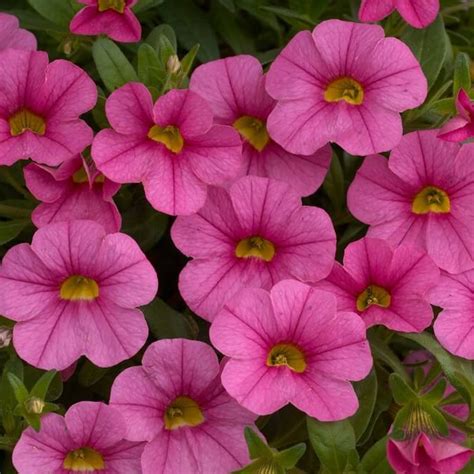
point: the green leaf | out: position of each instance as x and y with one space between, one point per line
256 445
153 39
11 229
291 17
19 389
7 397
188 60
41 387
192 26
436 394
143 5
150 70
167 323
334 186
437 418
462 74
375 459
16 208
289 457
430 45
402 392
229 4
59 12
367 394
332 442
114 68
90 374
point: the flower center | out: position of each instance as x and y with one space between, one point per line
344 88
289 355
184 411
116 5
84 460
79 288
419 420
169 136
255 247
24 120
373 295
431 199
253 130
80 177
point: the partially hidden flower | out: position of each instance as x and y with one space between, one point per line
89 438
420 196
113 18
252 235
461 127
172 147
12 36
344 83
235 88
424 454
290 345
384 285
418 13
75 190
74 291
176 403
454 326
40 107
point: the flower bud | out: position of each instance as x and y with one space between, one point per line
173 65
5 336
34 405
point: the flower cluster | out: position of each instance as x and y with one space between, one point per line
232 157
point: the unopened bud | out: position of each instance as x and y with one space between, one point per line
173 65
5 336
34 405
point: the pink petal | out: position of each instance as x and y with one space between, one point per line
418 13
456 130
455 331
41 182
12 36
375 10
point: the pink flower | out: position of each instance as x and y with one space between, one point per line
418 13
176 403
12 36
89 438
172 147
344 83
290 345
454 326
74 291
384 285
253 235
235 88
427 455
421 196
72 191
40 105
461 127
113 18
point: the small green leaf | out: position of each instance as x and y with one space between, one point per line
165 49
41 387
333 443
89 374
462 74
144 5
436 394
59 12
114 68
19 389
188 60
256 445
153 39
366 391
375 459
334 186
291 17
402 392
150 69
289 457
11 229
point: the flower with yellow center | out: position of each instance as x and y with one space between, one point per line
346 89
253 130
84 460
80 177
373 295
115 5
431 199
25 120
256 247
287 355
168 136
184 411
79 288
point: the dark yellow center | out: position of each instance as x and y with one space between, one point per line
169 136
344 88
253 130
79 288
431 199
80 177
116 5
184 411
24 121
289 355
373 295
257 247
84 460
